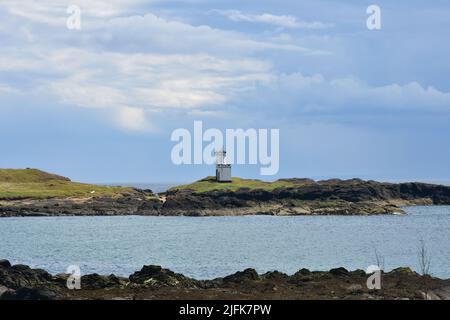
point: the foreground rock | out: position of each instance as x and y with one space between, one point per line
157 277
20 282
292 197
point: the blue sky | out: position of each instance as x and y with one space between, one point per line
99 104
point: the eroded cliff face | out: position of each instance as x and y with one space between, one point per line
302 197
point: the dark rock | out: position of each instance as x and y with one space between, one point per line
339 272
95 281
145 273
275 275
155 276
242 276
301 276
5 263
209 284
359 273
303 272
21 267
39 293
61 278
23 276
21 282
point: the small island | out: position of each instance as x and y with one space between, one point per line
32 192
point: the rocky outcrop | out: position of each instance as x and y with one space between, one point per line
20 282
96 281
156 277
299 197
141 202
242 276
18 276
308 197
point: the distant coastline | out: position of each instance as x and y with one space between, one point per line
31 192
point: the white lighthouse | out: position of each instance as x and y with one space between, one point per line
223 169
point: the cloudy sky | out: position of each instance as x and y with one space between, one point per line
99 104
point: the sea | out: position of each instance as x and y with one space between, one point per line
210 247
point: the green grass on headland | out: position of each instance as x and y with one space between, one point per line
210 184
27 176
36 184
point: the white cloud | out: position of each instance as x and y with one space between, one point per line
285 21
153 83
144 62
132 119
297 95
54 12
6 89
139 62
152 33
136 66
207 113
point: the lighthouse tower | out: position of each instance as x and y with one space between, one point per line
223 169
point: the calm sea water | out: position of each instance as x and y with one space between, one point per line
210 247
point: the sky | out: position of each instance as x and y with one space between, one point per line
99 103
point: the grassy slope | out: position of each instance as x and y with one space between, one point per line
33 183
210 184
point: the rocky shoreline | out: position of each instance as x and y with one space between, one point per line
141 202
20 282
302 197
